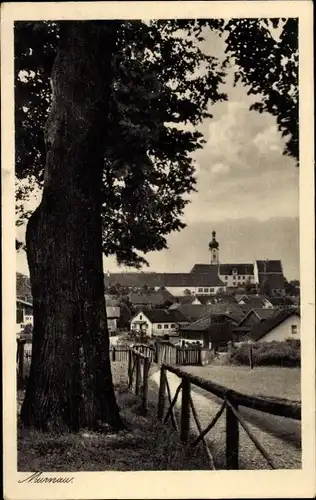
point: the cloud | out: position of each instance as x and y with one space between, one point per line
242 169
220 168
269 140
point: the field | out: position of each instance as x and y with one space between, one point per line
268 381
144 445
281 436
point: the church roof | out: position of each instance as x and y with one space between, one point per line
227 269
269 266
204 269
164 279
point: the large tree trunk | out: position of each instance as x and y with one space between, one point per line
70 384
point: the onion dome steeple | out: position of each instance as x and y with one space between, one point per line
213 243
214 249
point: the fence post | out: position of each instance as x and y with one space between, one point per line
20 378
250 358
113 353
129 369
232 438
185 410
145 386
137 382
200 356
161 395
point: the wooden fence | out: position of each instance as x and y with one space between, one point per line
119 353
231 402
170 354
160 352
138 374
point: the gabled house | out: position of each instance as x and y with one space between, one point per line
256 316
206 299
157 322
185 299
280 327
256 301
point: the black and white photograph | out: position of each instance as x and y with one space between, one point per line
158 176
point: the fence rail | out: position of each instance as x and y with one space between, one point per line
232 400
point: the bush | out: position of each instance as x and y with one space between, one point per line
285 353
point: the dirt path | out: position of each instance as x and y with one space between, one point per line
286 454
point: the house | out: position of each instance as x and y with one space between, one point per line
196 300
24 314
160 298
194 312
157 322
256 301
256 316
212 330
206 299
185 299
283 303
281 326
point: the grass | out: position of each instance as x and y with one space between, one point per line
269 381
147 446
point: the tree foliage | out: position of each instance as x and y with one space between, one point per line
158 87
163 87
268 65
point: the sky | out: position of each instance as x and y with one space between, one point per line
247 191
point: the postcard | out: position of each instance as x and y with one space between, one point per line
158 264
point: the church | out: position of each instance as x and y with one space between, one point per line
209 279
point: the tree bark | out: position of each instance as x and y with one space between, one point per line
70 384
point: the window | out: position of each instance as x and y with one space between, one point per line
226 277
234 283
238 277
166 326
206 290
173 325
159 327
244 277
141 317
211 289
294 329
200 290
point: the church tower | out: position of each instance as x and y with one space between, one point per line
214 249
